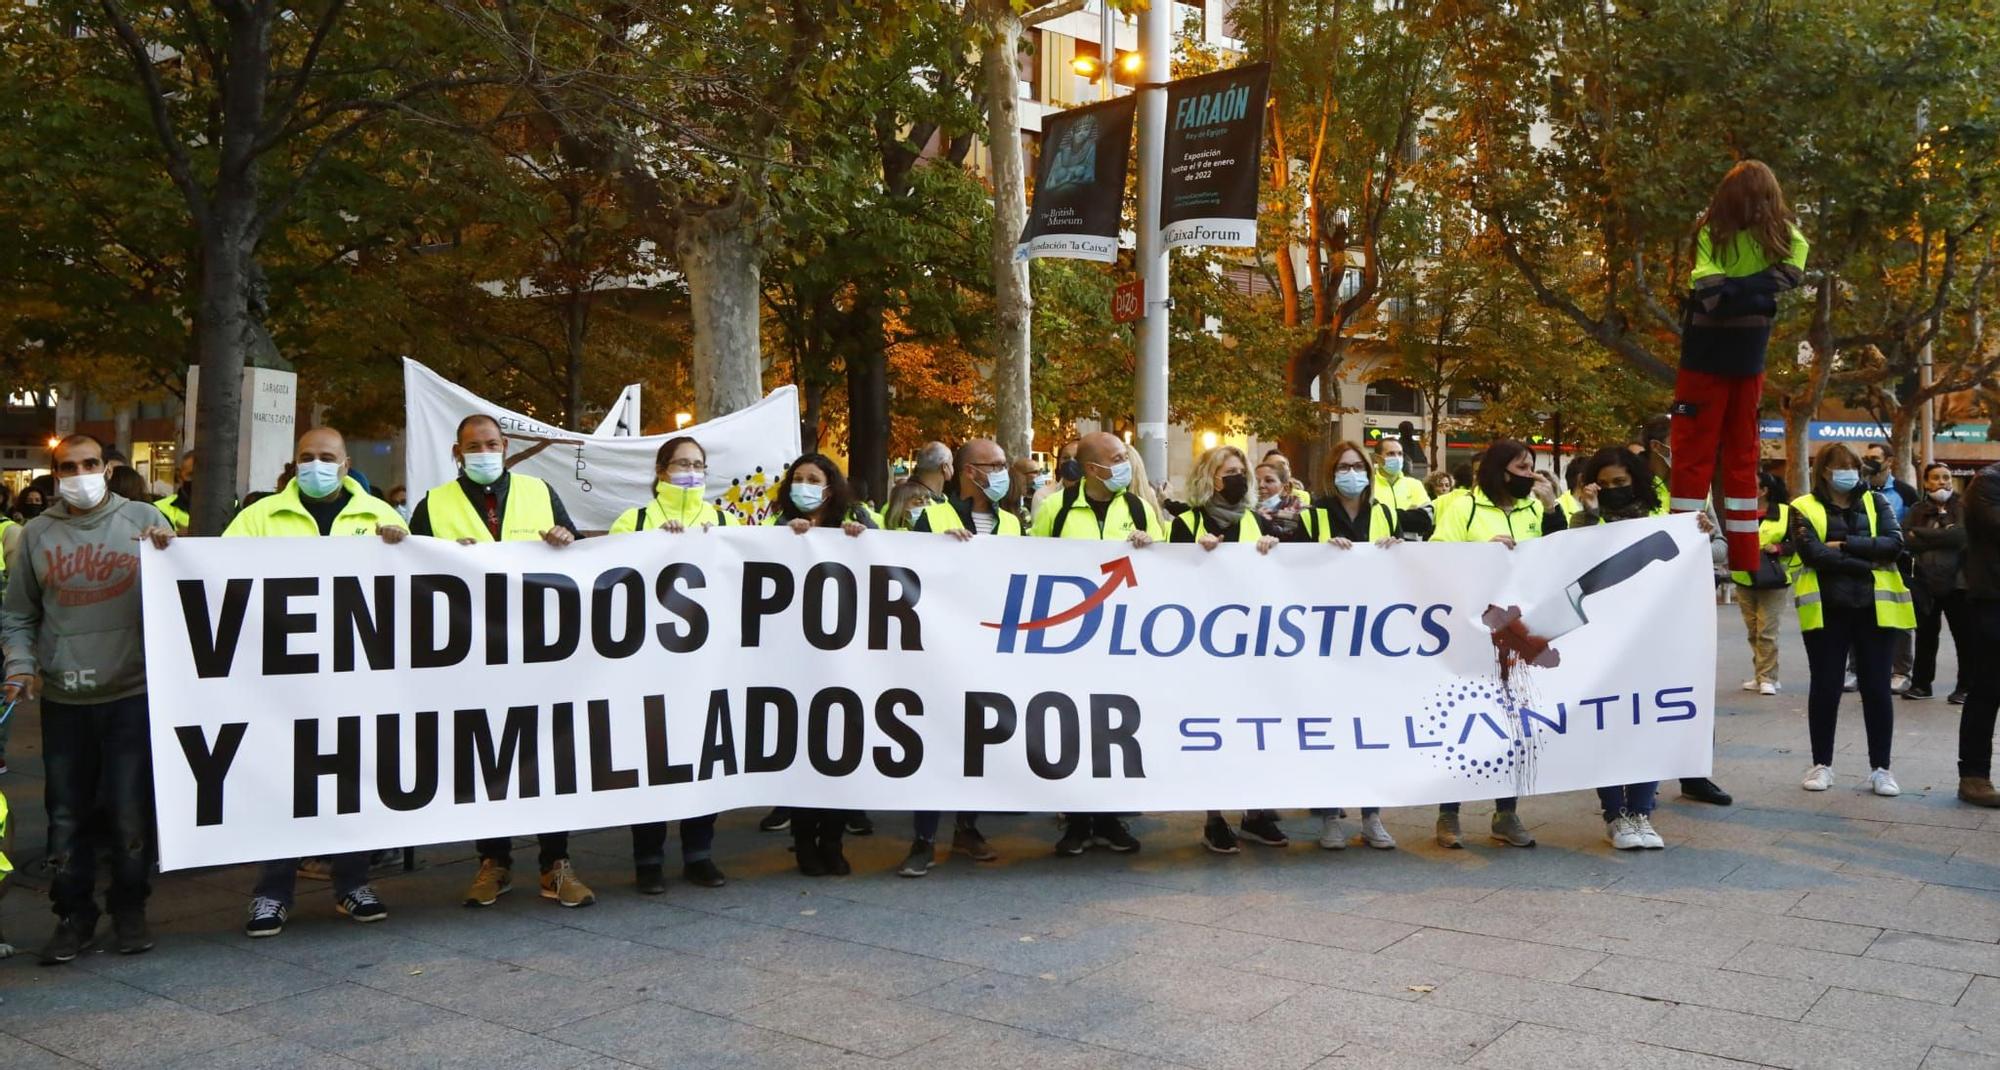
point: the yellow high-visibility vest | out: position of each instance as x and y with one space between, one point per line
284 513
1893 606
530 510
669 503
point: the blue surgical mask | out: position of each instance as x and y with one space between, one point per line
1120 477
1041 480
1271 503
1393 465
808 496
319 479
915 512
1350 484
997 484
1844 480
484 468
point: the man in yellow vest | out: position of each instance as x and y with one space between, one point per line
982 480
1392 483
1101 506
322 499
176 506
487 503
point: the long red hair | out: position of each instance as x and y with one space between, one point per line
1750 201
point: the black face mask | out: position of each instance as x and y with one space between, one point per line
1871 467
1070 471
1234 487
1617 499
30 511
1519 487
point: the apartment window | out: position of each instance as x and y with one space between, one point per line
1390 396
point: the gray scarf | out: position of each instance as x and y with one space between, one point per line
1223 517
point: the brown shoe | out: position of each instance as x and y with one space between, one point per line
491 882
562 884
1978 791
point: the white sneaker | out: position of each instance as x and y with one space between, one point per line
1767 689
1622 833
1899 683
1818 778
1884 783
1375 834
1648 837
1749 685
1333 833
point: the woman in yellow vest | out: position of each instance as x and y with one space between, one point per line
680 475
1354 513
1610 487
1218 494
1280 499
907 501
1850 598
1501 506
1761 595
815 494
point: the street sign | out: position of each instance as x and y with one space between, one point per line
1128 302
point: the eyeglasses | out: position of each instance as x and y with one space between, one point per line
1361 468
687 466
985 466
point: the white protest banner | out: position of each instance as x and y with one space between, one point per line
601 476
621 420
360 695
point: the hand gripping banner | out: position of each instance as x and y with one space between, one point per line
347 694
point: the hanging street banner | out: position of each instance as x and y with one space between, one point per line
357 695
1080 184
602 474
1214 147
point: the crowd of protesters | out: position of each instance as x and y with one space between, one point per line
1863 567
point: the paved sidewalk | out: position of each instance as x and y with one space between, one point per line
1795 930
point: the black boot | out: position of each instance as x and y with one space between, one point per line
805 843
831 828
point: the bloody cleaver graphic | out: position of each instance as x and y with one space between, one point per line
1529 634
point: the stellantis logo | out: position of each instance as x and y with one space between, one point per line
1032 624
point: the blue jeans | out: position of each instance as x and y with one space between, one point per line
649 841
925 822
98 759
1505 806
279 878
1630 799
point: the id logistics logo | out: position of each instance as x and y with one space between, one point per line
1063 614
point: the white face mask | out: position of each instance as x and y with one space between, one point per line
485 468
82 492
1941 495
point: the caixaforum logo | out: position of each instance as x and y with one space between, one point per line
1056 613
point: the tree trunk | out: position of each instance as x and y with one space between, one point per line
718 254
224 336
1013 404
227 324
868 403
576 322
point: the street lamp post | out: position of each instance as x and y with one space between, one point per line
1155 48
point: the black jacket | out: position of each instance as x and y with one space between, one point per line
1936 535
1846 575
1982 533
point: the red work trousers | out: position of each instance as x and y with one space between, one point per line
1715 423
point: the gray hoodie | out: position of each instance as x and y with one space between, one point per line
72 605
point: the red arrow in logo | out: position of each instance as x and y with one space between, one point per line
1121 575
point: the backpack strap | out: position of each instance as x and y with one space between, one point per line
1138 510
1062 515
